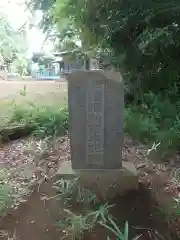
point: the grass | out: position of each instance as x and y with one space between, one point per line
156 121
43 105
5 193
78 220
83 220
111 225
47 115
171 211
69 191
5 198
43 111
44 114
44 121
76 224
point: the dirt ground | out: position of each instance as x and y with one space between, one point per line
9 89
13 93
36 218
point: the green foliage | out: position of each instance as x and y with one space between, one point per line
142 38
112 227
75 225
101 214
69 191
5 193
170 212
156 120
115 229
44 121
141 127
23 92
42 59
5 198
12 43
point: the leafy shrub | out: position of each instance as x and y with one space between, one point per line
74 225
141 127
156 120
5 198
169 138
161 109
45 121
5 193
69 191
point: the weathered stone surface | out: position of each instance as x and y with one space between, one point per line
105 183
96 106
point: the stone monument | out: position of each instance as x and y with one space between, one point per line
96 108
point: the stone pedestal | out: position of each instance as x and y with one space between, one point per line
104 183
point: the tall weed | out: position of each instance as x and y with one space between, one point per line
5 193
45 121
141 127
156 120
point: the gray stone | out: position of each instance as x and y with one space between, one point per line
96 106
104 183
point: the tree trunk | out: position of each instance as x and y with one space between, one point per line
87 63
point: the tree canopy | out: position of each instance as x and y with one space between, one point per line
12 44
41 58
141 37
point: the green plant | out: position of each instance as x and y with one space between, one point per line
85 196
111 225
5 192
170 212
169 139
39 148
166 212
5 234
175 175
141 127
5 197
65 189
155 121
176 207
69 190
23 92
74 225
120 235
43 121
101 214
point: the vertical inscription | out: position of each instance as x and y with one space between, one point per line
112 99
95 123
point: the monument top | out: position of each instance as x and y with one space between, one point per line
109 74
96 106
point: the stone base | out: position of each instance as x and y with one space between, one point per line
105 183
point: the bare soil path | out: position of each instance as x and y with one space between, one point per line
36 218
10 89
